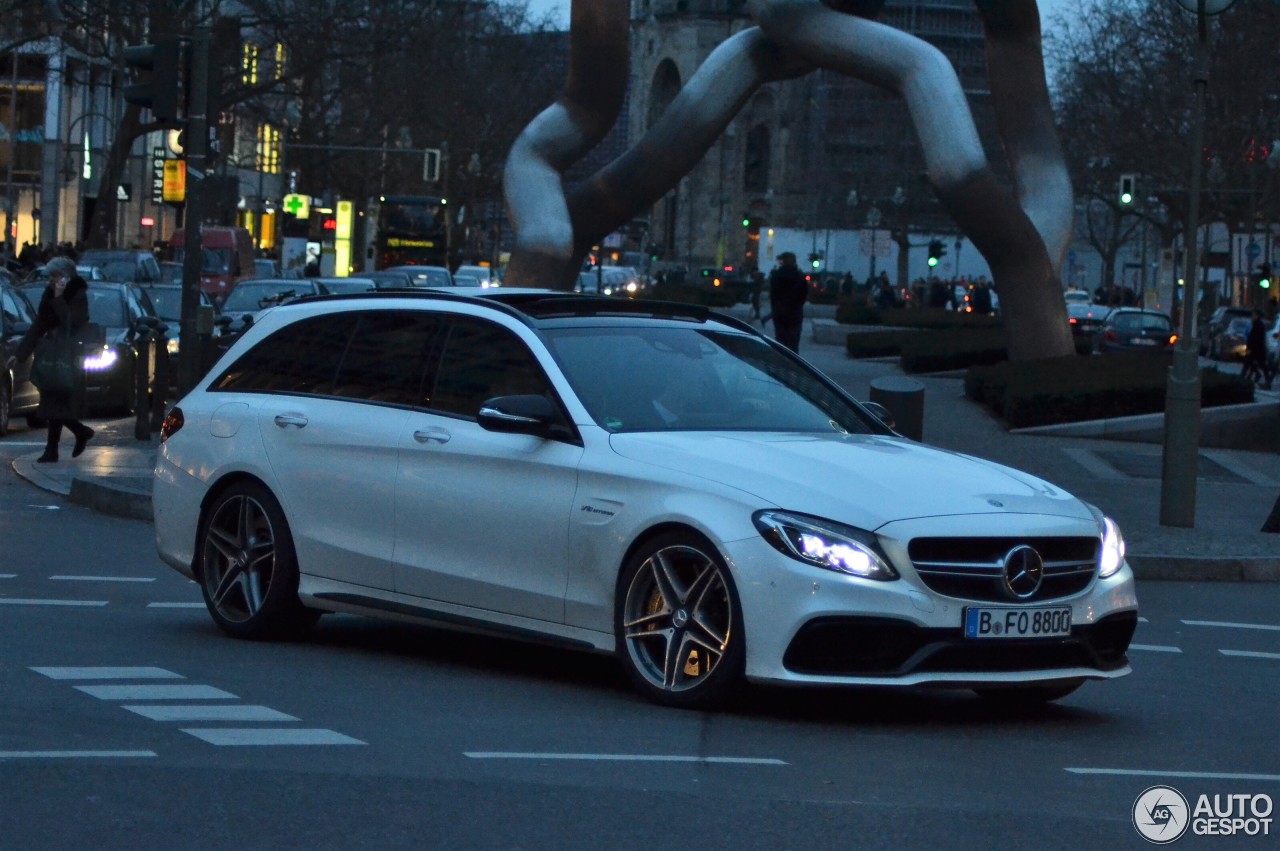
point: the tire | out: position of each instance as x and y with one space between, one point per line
1026 697
679 624
247 566
6 409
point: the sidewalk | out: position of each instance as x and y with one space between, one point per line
1235 489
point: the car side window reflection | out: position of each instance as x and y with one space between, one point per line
300 358
388 356
482 360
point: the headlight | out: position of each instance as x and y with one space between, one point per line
824 543
172 345
1112 549
103 360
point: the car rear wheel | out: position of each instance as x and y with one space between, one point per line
1021 697
248 570
678 623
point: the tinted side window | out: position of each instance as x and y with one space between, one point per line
300 358
388 356
483 360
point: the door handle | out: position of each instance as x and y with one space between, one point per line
296 420
428 435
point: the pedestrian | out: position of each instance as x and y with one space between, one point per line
1255 351
63 311
787 293
757 284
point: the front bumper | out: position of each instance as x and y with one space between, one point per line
807 625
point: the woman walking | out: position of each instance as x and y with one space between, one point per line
64 310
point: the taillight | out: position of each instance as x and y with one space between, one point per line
1173 338
172 422
1073 321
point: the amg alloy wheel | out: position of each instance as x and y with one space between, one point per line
248 571
678 623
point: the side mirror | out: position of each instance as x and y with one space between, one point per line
533 415
881 412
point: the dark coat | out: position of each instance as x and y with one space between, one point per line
65 314
787 293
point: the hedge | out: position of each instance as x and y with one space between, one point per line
934 350
1071 389
858 313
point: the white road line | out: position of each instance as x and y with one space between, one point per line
186 712
1155 648
1244 471
8 576
1085 458
15 601
104 578
1252 654
1143 620
622 757
192 692
75 754
253 737
1195 775
1234 625
103 673
175 605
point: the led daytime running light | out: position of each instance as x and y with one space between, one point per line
1112 557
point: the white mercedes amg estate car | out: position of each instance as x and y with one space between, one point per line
647 479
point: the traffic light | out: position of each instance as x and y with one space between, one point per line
1126 190
157 74
746 220
936 250
1264 276
815 260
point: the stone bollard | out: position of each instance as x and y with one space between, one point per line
904 399
142 343
160 384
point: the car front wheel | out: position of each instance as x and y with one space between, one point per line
248 569
678 623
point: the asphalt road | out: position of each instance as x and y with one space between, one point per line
128 721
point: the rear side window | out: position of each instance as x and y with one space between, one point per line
388 355
483 360
299 358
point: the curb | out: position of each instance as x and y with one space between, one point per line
119 502
1184 568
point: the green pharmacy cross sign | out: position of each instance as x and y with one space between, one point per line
298 206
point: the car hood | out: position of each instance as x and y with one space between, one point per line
862 480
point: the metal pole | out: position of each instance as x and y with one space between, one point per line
11 233
1182 399
189 347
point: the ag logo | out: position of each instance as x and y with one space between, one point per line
1161 814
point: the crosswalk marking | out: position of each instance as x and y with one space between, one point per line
75 754
103 673
1230 625
8 576
1155 648
625 757
255 737
104 578
191 692
175 605
1252 654
184 712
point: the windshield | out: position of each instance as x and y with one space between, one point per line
213 261
167 302
106 308
662 379
424 277
254 297
1135 322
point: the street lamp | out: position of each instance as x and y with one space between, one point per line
1182 397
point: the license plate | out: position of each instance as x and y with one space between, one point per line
1044 622
1142 341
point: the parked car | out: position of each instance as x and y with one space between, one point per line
1209 343
1230 342
250 298
18 396
265 268
482 273
1086 318
1132 329
170 272
1076 297
426 276
119 310
345 286
40 274
226 258
389 279
166 301
125 265
669 486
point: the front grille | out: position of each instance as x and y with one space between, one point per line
971 568
886 647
